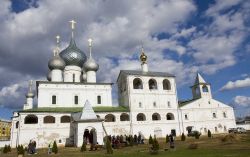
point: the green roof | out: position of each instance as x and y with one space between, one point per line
77 109
183 103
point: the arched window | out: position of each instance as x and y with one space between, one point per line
141 117
99 99
76 99
170 116
152 84
49 119
124 117
109 118
65 119
31 119
156 116
204 88
17 124
53 99
137 83
166 84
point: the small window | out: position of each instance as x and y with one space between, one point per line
65 119
124 117
154 104
170 116
152 84
109 118
156 116
204 89
166 84
49 119
74 77
209 102
214 115
60 141
76 99
186 117
141 117
169 104
30 119
137 83
140 105
17 124
53 99
224 115
99 99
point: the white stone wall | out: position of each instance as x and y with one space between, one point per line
56 75
148 97
72 73
42 133
200 116
65 98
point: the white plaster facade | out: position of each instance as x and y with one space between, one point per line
66 98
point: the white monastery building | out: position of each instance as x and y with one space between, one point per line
71 105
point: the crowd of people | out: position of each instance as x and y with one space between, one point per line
125 140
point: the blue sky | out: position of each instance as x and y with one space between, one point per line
180 37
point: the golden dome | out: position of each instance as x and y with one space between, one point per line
143 57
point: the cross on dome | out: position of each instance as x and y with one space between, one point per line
72 25
90 42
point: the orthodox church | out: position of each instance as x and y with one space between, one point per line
72 106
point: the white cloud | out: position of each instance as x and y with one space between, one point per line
185 32
221 5
236 84
242 100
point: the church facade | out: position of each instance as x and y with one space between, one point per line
72 106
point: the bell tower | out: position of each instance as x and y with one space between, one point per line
201 88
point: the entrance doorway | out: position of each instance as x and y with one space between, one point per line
90 136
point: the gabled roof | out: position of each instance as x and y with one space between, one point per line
141 73
185 102
87 112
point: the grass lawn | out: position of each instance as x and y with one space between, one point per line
214 147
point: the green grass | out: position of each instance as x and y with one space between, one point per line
213 147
